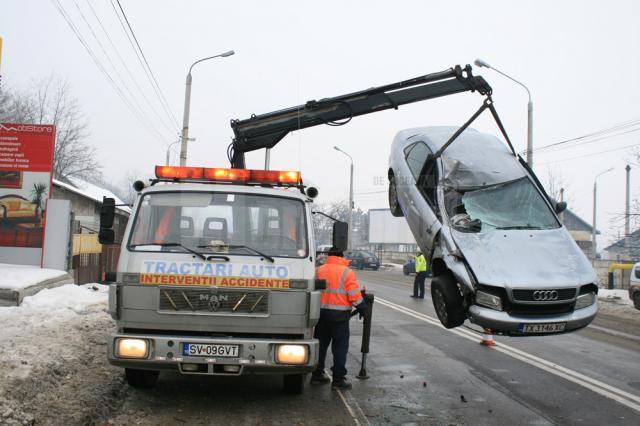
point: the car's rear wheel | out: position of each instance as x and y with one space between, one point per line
394 204
636 300
141 378
447 301
293 384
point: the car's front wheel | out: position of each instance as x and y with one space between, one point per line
447 301
636 300
394 204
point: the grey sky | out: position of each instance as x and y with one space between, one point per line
578 58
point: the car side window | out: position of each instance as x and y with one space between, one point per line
428 182
416 158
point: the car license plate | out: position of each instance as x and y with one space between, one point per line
198 349
555 327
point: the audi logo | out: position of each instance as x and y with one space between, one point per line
545 295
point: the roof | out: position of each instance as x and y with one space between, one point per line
634 244
90 190
473 159
573 222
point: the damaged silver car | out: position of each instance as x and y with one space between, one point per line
500 256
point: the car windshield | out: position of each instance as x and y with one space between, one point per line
511 205
215 222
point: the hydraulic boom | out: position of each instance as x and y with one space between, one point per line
266 130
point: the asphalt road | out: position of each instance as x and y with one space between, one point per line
421 373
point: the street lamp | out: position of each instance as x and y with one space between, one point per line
480 63
349 244
173 143
593 229
187 104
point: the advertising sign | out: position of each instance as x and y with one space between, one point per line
384 228
26 162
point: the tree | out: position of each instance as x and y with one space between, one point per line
557 187
50 102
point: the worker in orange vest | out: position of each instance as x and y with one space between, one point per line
341 294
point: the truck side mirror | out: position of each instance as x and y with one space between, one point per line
561 206
340 235
107 214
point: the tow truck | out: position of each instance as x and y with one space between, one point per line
216 273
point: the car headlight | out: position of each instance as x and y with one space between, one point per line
292 354
585 300
131 348
488 300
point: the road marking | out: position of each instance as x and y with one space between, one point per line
615 332
347 401
625 398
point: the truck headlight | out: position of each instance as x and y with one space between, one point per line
292 354
585 300
488 300
131 348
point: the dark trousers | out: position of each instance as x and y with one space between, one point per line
418 284
336 333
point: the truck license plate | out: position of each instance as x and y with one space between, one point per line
198 349
555 327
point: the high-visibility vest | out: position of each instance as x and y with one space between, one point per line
342 290
421 263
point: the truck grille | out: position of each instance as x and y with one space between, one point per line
528 295
214 301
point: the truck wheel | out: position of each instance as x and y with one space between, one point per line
394 204
447 301
141 378
293 383
636 300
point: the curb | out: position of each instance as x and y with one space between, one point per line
14 297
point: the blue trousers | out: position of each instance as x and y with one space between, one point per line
335 333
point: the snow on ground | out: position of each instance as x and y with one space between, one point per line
391 266
617 303
14 277
620 297
53 358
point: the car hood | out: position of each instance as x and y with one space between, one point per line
525 258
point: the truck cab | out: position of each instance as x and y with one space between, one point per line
216 276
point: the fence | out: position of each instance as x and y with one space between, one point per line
91 260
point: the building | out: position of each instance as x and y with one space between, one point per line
618 251
580 231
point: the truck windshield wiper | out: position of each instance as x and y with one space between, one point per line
232 246
200 255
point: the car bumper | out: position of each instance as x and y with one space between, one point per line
256 355
503 323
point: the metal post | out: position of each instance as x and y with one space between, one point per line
267 158
561 200
627 207
593 229
185 121
350 243
530 134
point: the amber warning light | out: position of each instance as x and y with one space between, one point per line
274 177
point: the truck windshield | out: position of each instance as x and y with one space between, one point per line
215 222
511 205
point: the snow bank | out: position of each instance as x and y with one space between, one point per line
620 297
14 277
48 303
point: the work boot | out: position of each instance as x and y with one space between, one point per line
319 379
341 384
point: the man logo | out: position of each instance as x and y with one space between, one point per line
545 295
214 300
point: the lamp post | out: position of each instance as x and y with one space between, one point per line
593 229
173 143
349 244
187 105
481 63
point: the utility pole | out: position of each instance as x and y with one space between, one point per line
350 242
627 208
593 229
561 200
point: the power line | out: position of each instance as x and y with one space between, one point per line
99 65
590 154
157 88
115 69
126 67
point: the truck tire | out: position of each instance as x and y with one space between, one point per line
293 384
141 378
636 299
447 301
394 204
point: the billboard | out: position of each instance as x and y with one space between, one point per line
26 161
384 228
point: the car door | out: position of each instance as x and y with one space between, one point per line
422 206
